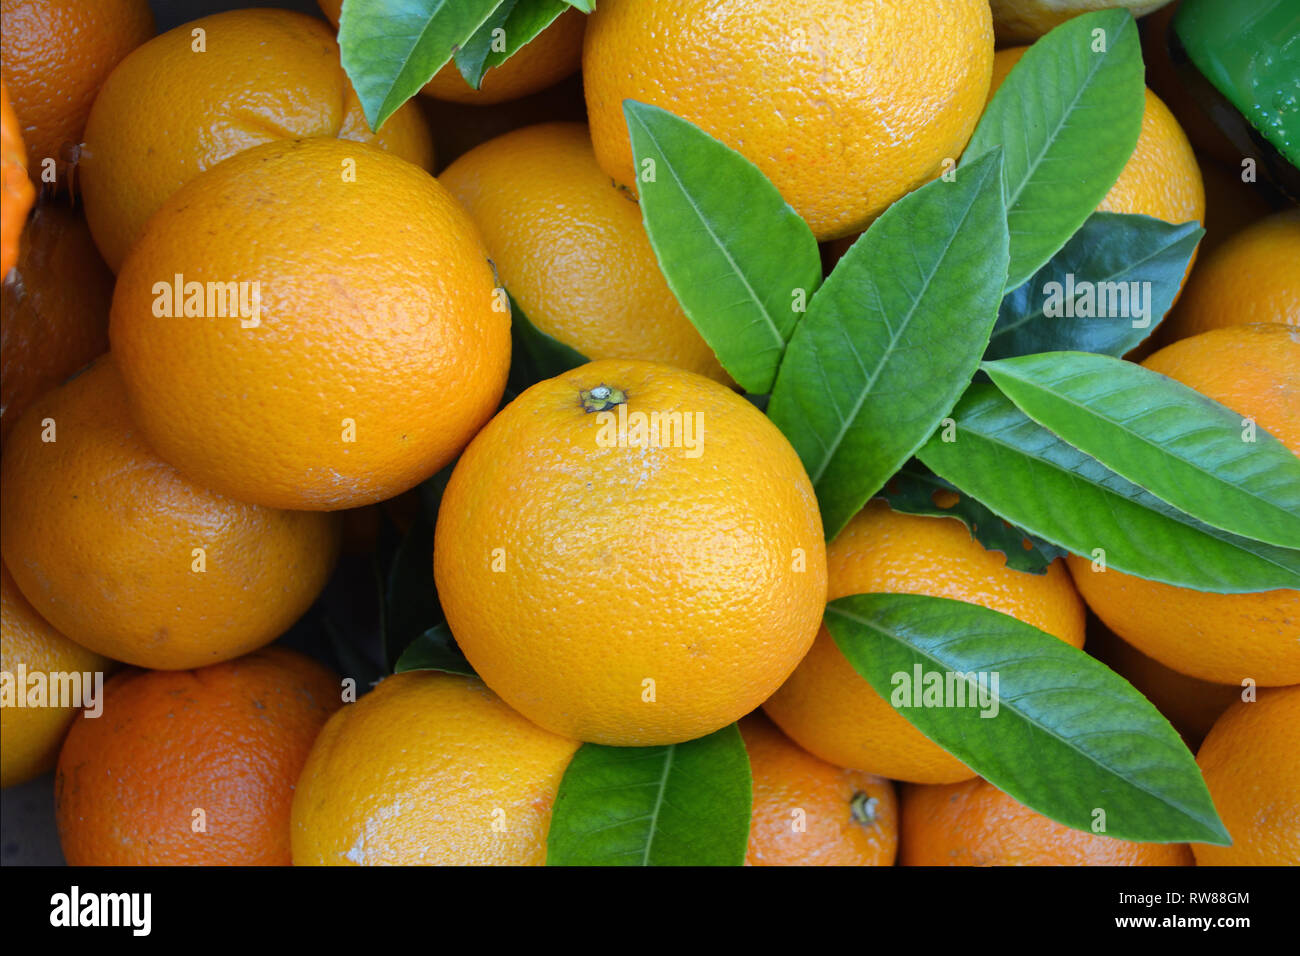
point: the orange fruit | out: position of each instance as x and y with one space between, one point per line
830 710
1161 178
33 722
54 56
1019 21
973 823
17 188
810 813
1224 638
635 584
192 767
1253 277
549 57
1251 763
571 248
130 559
53 309
844 106
428 768
380 349
1192 705
169 112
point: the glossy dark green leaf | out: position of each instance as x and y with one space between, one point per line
1067 118
1105 291
471 56
391 48
434 650
519 23
739 260
913 491
1173 441
410 596
1037 718
682 805
1040 482
893 337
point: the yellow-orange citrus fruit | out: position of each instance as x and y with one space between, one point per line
192 767
830 710
546 59
17 189
973 823
428 768
631 554
1253 277
810 813
1161 178
1019 21
1251 763
571 248
172 110
1255 371
54 57
844 106
53 309
127 557
43 671
378 345
1192 705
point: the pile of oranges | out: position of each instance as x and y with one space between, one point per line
235 317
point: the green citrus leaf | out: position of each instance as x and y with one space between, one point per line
1105 291
740 261
682 805
893 337
1173 441
519 23
391 48
434 650
912 491
586 6
1037 718
471 56
1038 481
1067 118
410 596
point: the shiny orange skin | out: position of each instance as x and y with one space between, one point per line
1251 763
973 823
1224 638
1253 277
229 740
1161 179
54 56
30 736
575 567
830 710
845 107
100 534
547 58
571 248
53 309
168 113
428 768
382 345
810 813
17 189
1190 704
